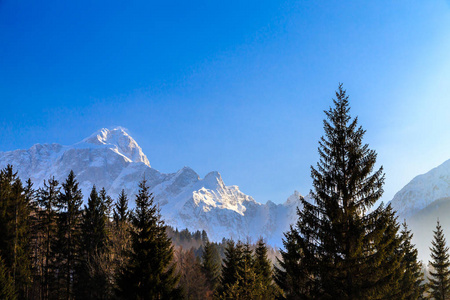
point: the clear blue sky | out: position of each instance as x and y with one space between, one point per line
234 86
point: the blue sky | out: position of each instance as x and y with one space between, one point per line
234 86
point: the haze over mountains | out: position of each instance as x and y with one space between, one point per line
421 202
112 159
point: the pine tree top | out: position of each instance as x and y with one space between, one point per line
121 213
440 274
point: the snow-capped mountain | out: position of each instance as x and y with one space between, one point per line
423 190
112 159
423 201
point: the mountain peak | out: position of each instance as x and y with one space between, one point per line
118 140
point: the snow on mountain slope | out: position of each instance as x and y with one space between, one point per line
112 159
423 190
118 141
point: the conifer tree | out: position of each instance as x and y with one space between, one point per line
249 281
121 213
35 242
341 250
386 250
293 275
262 265
94 225
15 230
211 265
440 275
244 284
263 270
67 244
121 236
93 283
47 198
7 291
107 203
231 265
411 283
150 272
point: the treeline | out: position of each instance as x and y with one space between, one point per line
340 248
53 247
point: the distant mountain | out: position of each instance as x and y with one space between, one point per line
422 191
423 201
423 222
112 159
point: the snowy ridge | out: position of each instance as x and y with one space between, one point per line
423 201
112 159
119 141
423 190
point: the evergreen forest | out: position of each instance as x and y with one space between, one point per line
343 246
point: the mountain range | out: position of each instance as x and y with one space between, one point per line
112 159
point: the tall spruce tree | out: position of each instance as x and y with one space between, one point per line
15 230
120 238
440 274
94 225
231 266
121 213
150 272
263 270
107 203
93 283
67 243
411 283
338 248
262 264
293 276
47 198
35 242
247 278
211 265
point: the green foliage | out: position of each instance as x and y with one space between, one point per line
210 265
106 202
411 283
15 226
121 213
244 273
339 250
262 267
94 225
293 275
150 272
47 199
231 266
7 291
93 282
440 274
262 264
68 237
120 237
